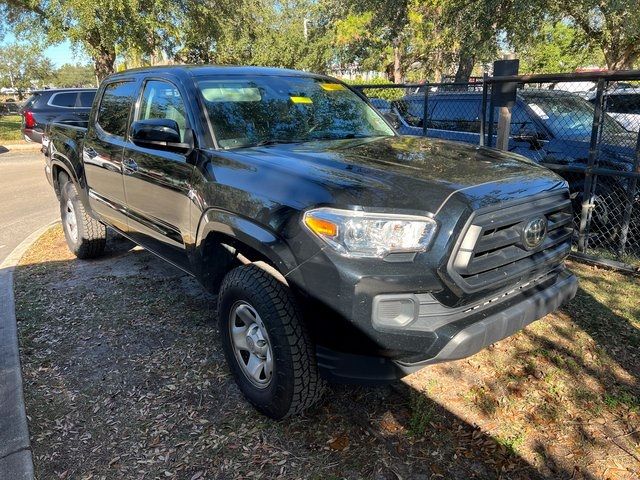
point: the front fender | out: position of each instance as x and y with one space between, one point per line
257 237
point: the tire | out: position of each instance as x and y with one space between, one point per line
248 294
86 237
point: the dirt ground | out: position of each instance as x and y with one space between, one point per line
124 377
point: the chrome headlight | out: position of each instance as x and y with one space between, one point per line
354 233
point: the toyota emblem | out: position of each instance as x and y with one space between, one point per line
534 233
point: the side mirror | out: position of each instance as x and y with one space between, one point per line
161 134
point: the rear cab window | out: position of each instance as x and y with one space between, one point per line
115 105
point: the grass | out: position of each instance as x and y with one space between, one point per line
124 378
10 129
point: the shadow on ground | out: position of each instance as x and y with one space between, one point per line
124 378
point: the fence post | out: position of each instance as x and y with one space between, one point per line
425 107
589 179
631 190
504 128
483 109
491 118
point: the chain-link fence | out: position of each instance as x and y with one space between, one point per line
585 127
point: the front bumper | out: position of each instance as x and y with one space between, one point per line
341 309
502 323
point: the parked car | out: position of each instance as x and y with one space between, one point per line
45 105
550 127
9 108
624 106
339 250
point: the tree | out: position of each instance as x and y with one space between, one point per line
373 33
103 28
557 47
23 67
69 75
613 26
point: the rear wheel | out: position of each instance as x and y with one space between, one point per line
266 343
86 237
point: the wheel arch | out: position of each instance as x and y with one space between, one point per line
57 168
226 239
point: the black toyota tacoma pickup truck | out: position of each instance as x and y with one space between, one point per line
339 250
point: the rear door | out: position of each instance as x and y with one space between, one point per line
103 148
158 182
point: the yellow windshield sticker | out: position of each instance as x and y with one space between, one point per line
332 87
301 100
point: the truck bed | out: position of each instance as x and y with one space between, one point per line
65 141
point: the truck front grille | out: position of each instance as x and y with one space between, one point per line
493 251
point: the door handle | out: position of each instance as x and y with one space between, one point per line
130 165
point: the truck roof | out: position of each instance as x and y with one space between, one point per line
212 70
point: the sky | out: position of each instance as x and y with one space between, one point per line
59 54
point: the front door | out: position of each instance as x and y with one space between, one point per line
158 182
102 153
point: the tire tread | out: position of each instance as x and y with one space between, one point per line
308 385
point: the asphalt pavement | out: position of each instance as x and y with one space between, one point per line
27 201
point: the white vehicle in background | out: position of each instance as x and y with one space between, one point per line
623 105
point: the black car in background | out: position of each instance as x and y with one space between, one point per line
46 105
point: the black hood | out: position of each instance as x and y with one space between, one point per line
412 173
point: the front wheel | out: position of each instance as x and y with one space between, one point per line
266 343
86 237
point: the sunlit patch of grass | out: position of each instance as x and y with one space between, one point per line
512 440
623 398
10 128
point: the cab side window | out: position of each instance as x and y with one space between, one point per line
65 99
457 114
85 99
115 105
163 100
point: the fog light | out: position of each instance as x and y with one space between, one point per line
394 311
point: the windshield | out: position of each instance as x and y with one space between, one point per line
569 116
277 109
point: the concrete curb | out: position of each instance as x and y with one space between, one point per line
15 449
20 146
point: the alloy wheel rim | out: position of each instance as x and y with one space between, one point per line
70 221
251 344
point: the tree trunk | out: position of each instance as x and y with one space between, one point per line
397 65
103 62
465 67
620 60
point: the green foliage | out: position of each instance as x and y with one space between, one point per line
405 39
389 94
512 441
69 75
23 66
611 26
10 128
556 47
422 414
